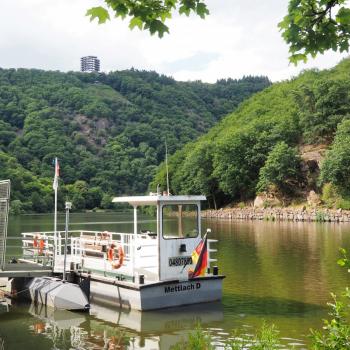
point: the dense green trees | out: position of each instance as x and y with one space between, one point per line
322 106
335 168
255 147
108 130
281 170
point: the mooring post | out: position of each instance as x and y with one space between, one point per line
135 238
68 206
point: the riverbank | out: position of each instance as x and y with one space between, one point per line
280 214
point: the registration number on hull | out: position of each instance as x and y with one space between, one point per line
180 261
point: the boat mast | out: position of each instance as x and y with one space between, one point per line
167 169
55 187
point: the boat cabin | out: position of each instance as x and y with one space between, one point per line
166 253
141 256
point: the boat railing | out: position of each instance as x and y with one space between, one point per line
88 250
210 251
29 249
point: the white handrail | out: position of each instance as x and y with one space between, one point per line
88 249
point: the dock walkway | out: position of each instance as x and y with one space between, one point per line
24 270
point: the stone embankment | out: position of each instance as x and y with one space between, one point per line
280 214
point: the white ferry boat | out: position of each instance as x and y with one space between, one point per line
143 269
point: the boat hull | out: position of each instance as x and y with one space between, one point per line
52 292
157 295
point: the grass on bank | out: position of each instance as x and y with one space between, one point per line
266 338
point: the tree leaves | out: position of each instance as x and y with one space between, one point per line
98 12
111 125
335 167
148 15
136 22
202 10
314 26
281 169
343 16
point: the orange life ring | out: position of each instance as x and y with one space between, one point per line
116 264
35 242
40 245
39 327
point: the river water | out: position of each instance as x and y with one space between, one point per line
277 272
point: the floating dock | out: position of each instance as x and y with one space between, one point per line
143 270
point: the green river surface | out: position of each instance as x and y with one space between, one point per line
280 272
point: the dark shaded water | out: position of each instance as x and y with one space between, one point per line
282 273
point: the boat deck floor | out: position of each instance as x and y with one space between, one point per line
25 269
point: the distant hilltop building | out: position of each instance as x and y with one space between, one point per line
90 64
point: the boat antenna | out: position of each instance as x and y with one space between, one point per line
167 168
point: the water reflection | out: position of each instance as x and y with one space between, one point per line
4 307
105 327
67 329
268 306
281 272
109 328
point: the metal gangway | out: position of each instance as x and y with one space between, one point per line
4 211
18 267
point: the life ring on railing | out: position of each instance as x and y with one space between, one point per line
35 242
41 246
39 243
116 263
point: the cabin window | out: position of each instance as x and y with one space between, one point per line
180 221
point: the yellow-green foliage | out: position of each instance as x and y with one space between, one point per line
332 199
343 203
329 195
336 165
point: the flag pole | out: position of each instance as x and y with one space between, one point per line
55 187
55 222
167 169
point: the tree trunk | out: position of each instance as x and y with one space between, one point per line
214 201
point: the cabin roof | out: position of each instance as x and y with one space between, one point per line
154 200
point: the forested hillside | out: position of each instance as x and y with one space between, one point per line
283 142
107 130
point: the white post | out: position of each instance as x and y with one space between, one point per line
167 169
135 237
158 238
68 206
55 187
55 227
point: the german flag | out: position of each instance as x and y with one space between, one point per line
200 258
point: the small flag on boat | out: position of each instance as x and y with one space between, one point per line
57 174
200 258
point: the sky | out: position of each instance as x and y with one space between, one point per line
239 37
